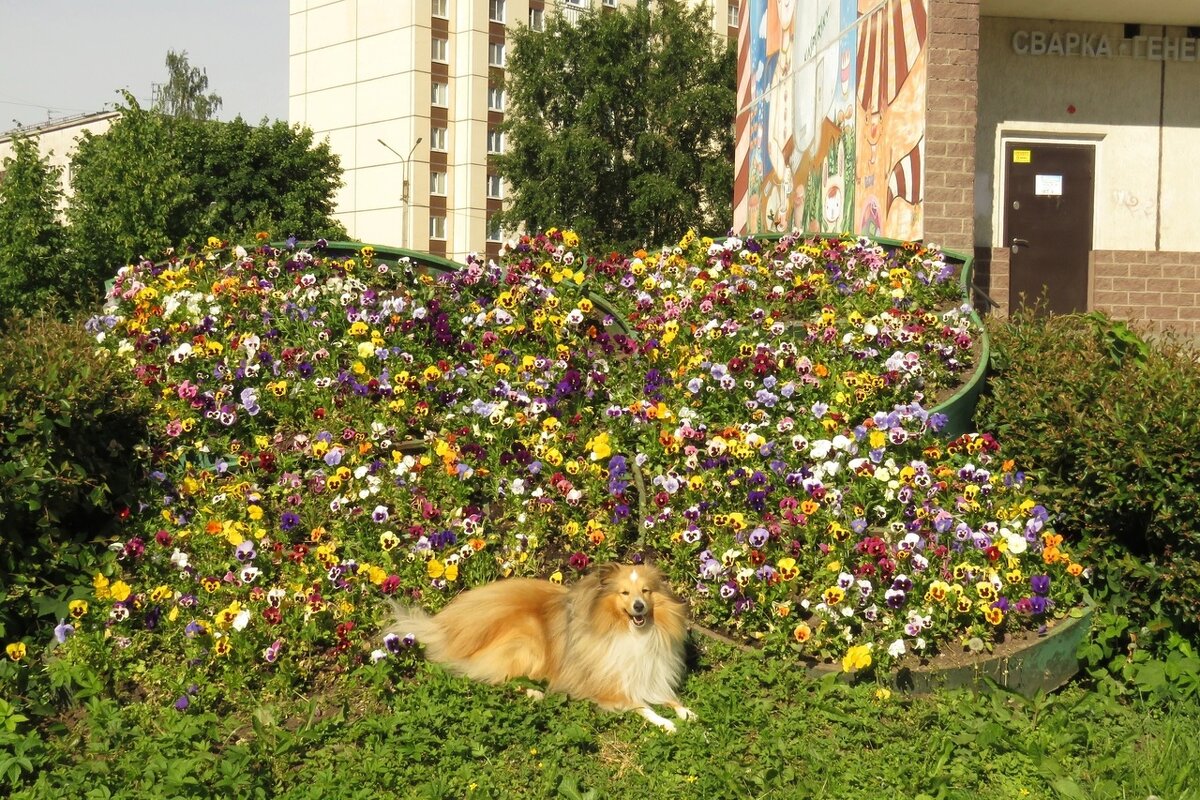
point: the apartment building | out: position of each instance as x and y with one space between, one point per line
57 141
410 95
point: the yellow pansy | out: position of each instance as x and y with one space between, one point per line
599 446
856 658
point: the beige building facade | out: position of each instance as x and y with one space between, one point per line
409 94
1054 141
57 140
1112 87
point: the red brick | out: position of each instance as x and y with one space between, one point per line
1106 298
1178 299
1121 311
942 56
1146 299
1161 313
1146 270
1130 284
935 117
949 10
1163 257
944 73
935 163
960 25
1162 285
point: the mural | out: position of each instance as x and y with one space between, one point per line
831 98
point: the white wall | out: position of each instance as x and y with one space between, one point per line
1116 102
57 141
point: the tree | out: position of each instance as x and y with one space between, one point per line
621 125
32 241
153 181
269 177
131 193
183 93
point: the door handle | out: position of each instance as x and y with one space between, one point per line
1016 243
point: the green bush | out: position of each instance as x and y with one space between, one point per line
1112 425
71 426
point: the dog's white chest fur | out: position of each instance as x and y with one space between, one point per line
649 664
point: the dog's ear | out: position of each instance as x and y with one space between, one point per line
658 583
606 572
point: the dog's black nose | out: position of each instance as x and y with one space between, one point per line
639 606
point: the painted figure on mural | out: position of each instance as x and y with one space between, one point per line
825 115
891 109
836 124
773 56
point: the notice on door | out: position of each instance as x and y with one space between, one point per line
1022 156
1048 185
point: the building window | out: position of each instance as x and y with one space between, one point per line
493 230
495 98
610 3
440 96
440 8
437 227
495 141
437 139
733 15
537 19
495 187
440 51
495 54
496 10
437 183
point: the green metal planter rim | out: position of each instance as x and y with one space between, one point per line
1068 632
391 255
384 252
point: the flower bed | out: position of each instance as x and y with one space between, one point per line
338 429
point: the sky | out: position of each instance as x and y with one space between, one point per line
60 58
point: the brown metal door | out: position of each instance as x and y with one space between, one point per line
1048 223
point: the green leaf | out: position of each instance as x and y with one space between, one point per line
1069 789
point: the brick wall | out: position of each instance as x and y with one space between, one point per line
1158 291
1155 291
950 119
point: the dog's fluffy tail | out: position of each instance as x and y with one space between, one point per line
409 620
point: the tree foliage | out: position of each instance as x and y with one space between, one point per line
154 181
621 125
132 195
183 93
31 235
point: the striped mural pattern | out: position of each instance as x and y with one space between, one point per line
889 42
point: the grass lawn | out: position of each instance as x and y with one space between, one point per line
765 730
749 458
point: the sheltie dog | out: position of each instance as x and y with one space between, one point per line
615 637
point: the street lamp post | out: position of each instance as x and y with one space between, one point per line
404 202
